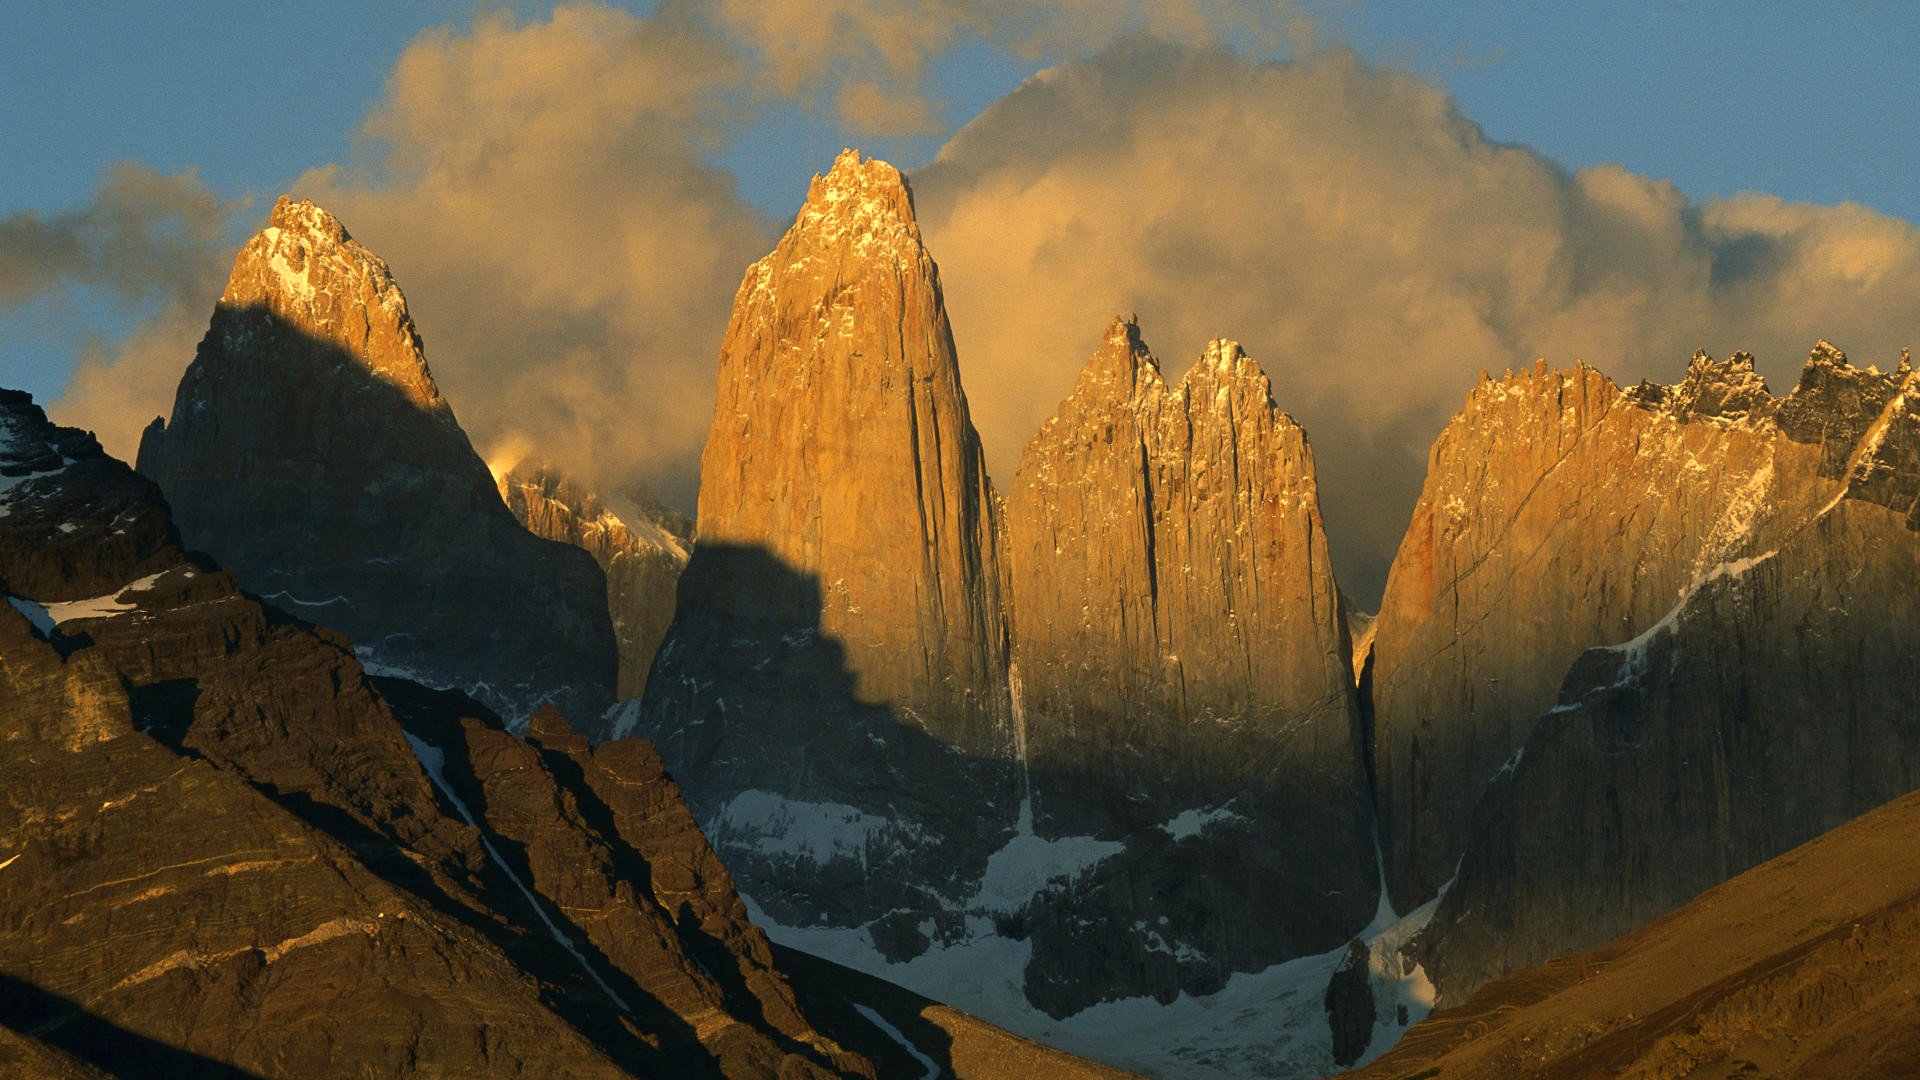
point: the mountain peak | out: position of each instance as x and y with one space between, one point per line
861 199
1122 369
1728 389
1223 353
306 272
1825 354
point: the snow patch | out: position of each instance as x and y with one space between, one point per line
35 613
819 832
1194 822
1029 863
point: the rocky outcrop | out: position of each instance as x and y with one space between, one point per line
1803 966
394 883
1184 674
1773 700
1559 513
833 691
641 550
310 452
1350 1006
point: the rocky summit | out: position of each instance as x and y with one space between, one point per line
311 453
1560 512
1184 681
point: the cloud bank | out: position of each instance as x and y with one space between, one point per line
545 195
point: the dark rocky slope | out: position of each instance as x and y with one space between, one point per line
231 851
310 453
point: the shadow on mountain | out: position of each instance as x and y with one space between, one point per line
336 493
757 710
66 1026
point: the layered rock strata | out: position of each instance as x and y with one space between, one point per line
377 898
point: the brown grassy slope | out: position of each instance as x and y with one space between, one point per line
1804 966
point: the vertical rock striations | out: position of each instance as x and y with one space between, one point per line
833 690
310 451
642 551
1772 698
1181 652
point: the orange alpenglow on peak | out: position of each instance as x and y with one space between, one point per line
308 272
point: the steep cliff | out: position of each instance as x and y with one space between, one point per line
833 690
1186 683
1559 513
1775 698
310 452
642 550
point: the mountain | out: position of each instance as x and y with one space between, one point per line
932 734
642 550
436 895
833 690
1773 700
1185 682
310 452
1560 513
1802 966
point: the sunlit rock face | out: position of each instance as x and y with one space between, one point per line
1182 664
834 689
310 452
240 850
1742 570
1560 512
642 549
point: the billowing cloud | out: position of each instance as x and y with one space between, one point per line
143 234
151 241
1369 246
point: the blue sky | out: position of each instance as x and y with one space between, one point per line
1809 102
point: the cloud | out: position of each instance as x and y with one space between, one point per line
541 194
544 193
877 52
143 234
1370 246
149 240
